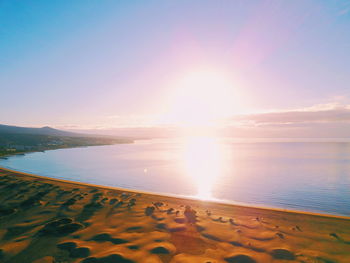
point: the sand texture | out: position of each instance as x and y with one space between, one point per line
45 221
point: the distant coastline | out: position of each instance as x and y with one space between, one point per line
6 155
20 140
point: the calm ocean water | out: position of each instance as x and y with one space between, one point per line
308 176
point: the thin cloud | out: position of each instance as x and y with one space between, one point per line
345 10
323 113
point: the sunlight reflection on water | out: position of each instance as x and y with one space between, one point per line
303 175
203 161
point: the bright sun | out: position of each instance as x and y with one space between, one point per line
201 97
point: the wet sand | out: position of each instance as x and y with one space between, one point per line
45 220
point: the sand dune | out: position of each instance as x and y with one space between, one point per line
45 221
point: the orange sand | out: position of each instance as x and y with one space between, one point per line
46 221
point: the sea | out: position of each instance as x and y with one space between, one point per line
304 174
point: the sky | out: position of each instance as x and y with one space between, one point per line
90 65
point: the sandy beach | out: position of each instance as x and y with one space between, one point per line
44 221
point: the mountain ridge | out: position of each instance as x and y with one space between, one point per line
46 130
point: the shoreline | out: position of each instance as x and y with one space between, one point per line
219 202
5 156
44 220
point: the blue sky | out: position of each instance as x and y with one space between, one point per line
95 64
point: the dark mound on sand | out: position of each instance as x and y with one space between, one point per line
281 253
74 251
79 252
4 211
240 259
67 245
107 237
60 227
160 250
114 258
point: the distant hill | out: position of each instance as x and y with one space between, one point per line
38 131
14 140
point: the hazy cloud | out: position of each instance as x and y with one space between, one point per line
323 113
318 121
345 8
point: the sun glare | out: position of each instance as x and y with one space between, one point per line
203 163
202 97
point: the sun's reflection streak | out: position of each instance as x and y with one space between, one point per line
203 163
